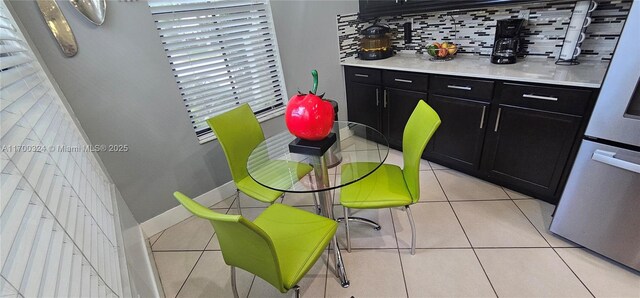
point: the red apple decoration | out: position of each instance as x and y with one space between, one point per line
308 116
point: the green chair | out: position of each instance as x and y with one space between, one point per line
280 246
239 132
390 186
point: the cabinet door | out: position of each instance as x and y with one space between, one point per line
398 105
459 139
378 7
363 104
529 148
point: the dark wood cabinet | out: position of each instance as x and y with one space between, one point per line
374 5
459 139
368 99
463 105
376 8
398 105
384 100
522 136
528 149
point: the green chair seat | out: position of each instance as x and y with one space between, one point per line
256 191
378 190
299 238
389 186
278 172
279 246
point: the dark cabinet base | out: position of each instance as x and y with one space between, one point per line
459 139
399 105
529 148
521 136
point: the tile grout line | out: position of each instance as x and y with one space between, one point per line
554 250
154 242
199 257
574 273
159 276
194 265
467 236
505 192
188 275
395 234
482 200
251 285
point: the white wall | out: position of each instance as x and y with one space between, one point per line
121 88
122 91
308 39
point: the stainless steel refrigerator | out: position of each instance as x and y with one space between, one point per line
600 206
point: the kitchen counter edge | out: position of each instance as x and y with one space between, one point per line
588 74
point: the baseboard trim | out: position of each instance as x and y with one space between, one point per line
177 214
151 265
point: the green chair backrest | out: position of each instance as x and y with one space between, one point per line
238 132
243 244
419 129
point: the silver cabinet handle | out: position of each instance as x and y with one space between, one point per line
466 88
609 158
498 120
377 97
540 97
361 75
385 99
403 81
484 109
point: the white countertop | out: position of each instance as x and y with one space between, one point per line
530 70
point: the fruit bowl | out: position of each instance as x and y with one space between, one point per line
441 51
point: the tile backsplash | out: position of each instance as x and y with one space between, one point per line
473 29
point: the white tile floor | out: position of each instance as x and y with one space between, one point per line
475 239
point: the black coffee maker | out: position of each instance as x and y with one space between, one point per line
508 42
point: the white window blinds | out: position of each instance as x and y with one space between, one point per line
57 222
222 53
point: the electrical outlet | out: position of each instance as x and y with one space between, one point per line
524 14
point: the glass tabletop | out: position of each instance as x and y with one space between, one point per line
359 147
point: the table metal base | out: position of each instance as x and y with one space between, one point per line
363 220
322 182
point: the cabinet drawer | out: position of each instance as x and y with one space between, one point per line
405 80
363 75
553 99
462 87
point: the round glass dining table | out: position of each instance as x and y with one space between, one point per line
273 165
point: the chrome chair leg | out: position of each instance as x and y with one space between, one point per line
234 286
238 202
340 270
413 231
296 289
346 225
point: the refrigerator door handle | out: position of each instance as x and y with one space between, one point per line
609 158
